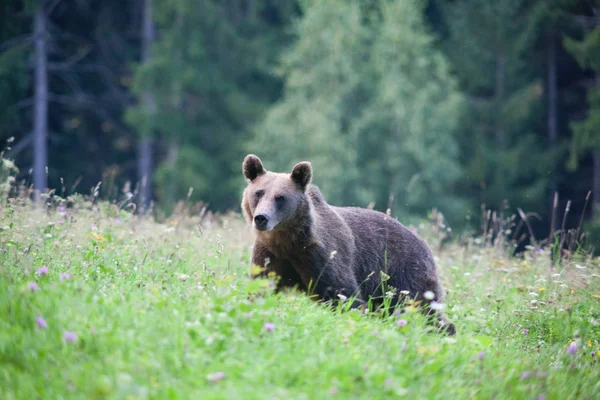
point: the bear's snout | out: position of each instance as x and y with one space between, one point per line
261 221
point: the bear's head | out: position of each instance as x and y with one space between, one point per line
274 201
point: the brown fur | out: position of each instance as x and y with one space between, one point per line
333 251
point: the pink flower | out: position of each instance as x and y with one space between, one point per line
41 322
65 276
70 336
269 327
33 286
216 377
43 270
572 349
525 331
481 355
401 323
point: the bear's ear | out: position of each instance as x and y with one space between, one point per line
302 174
252 167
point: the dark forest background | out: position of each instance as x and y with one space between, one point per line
457 105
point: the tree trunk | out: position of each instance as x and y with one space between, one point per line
145 142
40 123
552 115
500 73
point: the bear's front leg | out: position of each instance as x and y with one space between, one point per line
329 279
287 277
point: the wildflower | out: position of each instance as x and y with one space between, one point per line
43 270
429 295
33 286
436 306
401 323
572 349
41 322
525 375
592 354
70 336
65 276
481 355
269 327
4 251
525 331
216 377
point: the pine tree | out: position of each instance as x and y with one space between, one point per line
586 133
488 45
371 103
209 73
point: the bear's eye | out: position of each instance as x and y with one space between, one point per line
258 194
279 199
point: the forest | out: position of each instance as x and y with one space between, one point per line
461 106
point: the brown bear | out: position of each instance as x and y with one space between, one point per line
334 252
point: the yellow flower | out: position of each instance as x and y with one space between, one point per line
99 238
256 269
542 289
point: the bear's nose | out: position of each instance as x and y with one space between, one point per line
260 221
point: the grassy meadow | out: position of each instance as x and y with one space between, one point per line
96 303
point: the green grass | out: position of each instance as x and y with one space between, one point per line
166 311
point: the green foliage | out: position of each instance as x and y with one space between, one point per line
371 104
204 56
592 231
14 77
8 170
170 313
585 133
489 44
